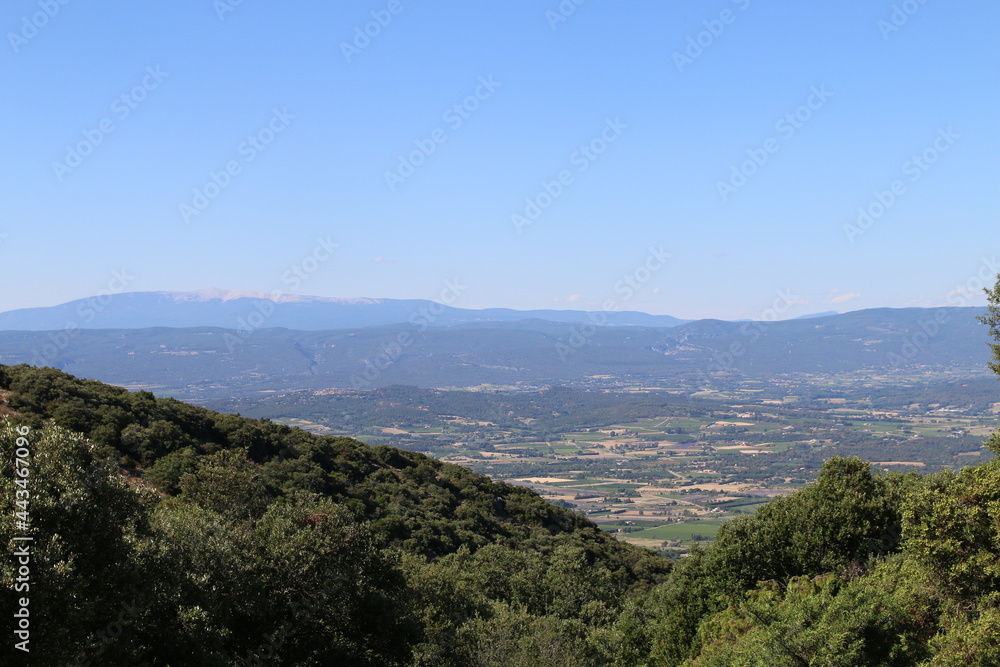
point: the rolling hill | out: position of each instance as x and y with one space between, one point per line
228 540
198 362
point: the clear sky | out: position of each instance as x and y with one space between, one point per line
738 137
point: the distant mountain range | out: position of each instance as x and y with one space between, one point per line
195 359
233 310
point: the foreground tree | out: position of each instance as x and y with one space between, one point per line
92 579
216 576
992 320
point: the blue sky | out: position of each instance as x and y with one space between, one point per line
739 137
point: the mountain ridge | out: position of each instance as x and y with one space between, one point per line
230 309
197 362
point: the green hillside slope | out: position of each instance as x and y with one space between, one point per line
232 538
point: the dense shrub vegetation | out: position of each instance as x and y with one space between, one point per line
237 539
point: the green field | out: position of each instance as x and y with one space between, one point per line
681 531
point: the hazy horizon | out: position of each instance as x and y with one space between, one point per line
778 311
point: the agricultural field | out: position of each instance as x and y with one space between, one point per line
663 468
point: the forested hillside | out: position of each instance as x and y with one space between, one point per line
166 534
236 538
